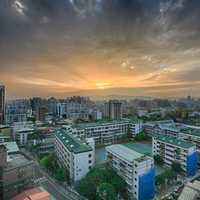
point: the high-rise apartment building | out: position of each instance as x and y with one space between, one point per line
2 104
136 169
75 155
173 149
113 109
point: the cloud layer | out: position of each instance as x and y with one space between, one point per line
134 47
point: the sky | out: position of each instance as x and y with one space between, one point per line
100 47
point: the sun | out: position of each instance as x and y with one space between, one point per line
102 85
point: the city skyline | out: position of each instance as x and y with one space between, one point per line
131 48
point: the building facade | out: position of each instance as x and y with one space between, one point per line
171 150
135 168
108 132
21 132
113 109
17 111
16 172
76 156
2 104
73 110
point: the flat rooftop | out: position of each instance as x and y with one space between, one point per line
142 148
11 147
174 141
191 131
16 160
72 143
126 153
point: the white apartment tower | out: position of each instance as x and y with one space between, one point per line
135 168
76 156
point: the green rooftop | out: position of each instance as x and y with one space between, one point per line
72 143
142 148
174 141
191 131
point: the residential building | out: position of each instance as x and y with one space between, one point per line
190 134
21 132
107 132
16 171
76 156
135 168
172 150
17 111
43 146
164 127
73 110
96 115
41 113
2 104
191 191
178 130
113 109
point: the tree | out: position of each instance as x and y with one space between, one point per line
160 179
89 185
176 167
106 192
141 137
45 162
61 175
158 160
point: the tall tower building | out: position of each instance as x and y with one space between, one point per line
113 109
2 104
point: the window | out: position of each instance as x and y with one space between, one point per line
90 155
89 161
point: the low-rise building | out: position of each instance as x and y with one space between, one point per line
172 150
164 127
107 132
191 191
170 128
21 131
135 168
16 171
75 155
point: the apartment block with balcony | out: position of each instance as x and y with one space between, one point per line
172 149
75 155
135 168
108 132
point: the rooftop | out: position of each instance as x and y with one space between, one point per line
33 194
17 160
191 131
174 141
72 143
145 149
126 153
11 147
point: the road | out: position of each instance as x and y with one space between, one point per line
43 179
